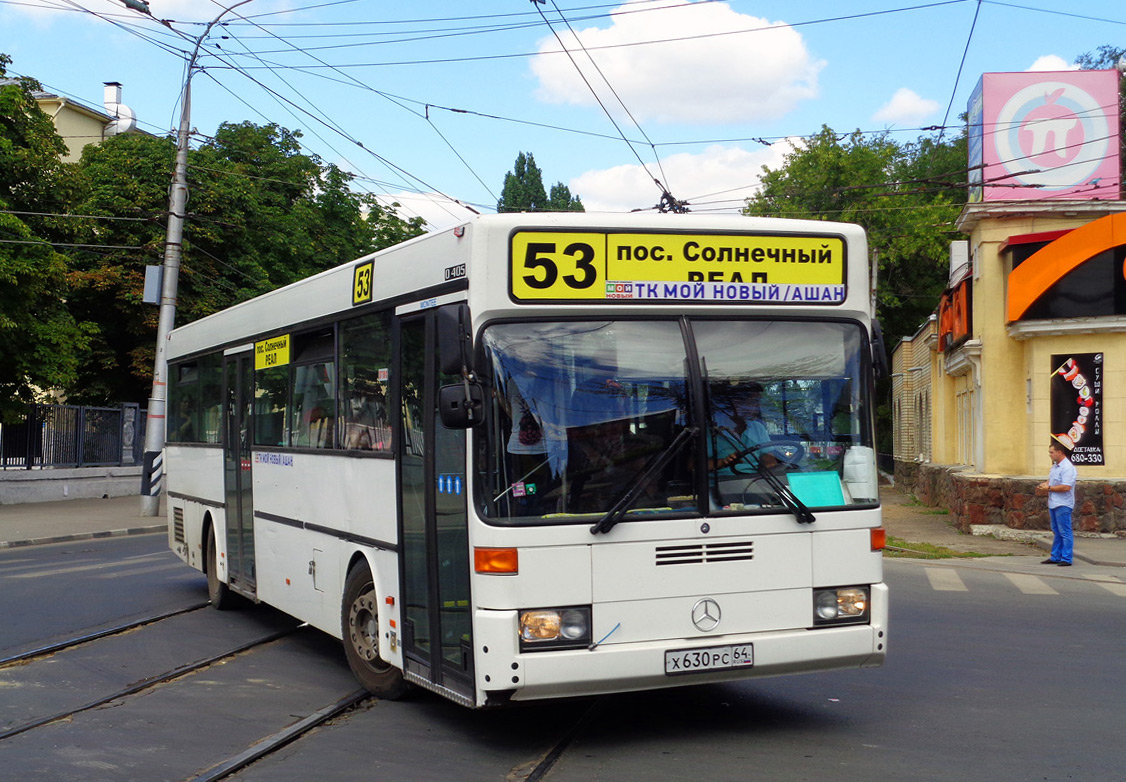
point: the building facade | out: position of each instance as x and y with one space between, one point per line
79 124
1028 346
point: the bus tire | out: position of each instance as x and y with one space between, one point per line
220 595
359 624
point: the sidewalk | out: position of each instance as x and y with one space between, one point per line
36 523
57 522
920 524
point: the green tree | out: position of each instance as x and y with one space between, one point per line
523 191
261 214
561 200
40 341
1105 58
906 197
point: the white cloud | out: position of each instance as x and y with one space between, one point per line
719 178
438 211
700 80
1052 62
905 108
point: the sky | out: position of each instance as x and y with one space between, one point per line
428 104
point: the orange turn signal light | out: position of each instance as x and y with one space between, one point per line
496 560
879 538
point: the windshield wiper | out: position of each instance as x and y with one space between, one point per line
618 510
803 514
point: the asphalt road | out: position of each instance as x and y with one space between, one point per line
996 670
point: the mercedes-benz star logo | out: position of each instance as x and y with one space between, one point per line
705 615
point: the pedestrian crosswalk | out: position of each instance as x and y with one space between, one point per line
1112 584
944 580
953 578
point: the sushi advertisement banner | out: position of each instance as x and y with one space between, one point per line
1077 405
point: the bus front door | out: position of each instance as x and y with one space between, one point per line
437 631
238 487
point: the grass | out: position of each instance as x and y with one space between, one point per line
914 504
897 547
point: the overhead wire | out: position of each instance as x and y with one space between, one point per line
390 99
660 185
323 120
665 195
347 136
961 65
656 41
941 129
428 20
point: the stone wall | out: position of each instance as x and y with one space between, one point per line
1011 501
20 486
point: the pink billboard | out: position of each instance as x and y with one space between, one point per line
1044 135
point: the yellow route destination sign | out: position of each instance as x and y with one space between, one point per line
272 352
718 268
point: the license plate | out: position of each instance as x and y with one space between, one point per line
710 658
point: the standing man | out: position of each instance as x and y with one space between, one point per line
1060 489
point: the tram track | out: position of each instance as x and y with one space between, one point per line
42 664
281 738
541 769
146 683
53 648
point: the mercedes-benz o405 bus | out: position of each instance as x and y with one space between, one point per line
544 455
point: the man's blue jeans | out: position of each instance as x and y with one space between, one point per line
1062 538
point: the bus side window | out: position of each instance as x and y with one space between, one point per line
271 400
210 398
365 361
183 403
314 405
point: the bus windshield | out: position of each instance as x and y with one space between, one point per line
582 413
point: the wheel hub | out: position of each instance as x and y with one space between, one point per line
363 621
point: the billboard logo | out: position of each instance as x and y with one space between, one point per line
1057 131
1044 135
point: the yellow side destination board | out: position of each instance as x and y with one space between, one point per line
720 268
272 352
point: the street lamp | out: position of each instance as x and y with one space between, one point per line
151 478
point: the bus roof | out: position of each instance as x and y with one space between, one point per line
437 261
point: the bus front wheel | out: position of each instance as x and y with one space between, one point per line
359 620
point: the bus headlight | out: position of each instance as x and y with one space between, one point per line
554 628
842 605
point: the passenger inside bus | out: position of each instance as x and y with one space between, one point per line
316 406
366 428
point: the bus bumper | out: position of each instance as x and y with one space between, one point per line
610 668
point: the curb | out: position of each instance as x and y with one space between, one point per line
1046 545
115 533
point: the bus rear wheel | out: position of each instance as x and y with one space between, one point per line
359 621
220 595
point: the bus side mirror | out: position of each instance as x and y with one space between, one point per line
461 406
455 341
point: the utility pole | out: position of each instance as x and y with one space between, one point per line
153 474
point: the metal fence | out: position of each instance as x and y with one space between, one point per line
74 436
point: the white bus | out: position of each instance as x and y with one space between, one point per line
544 455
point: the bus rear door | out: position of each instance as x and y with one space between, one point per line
238 487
